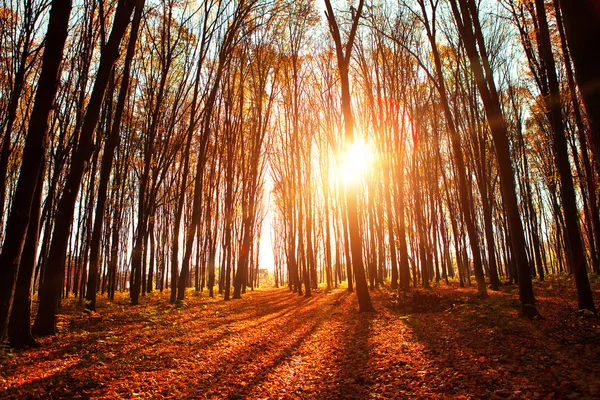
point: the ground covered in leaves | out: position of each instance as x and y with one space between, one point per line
443 343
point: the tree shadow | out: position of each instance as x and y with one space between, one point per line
188 359
484 349
354 379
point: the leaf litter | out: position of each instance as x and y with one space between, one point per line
273 344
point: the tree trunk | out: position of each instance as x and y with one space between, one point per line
107 160
45 322
463 187
574 244
467 20
19 326
343 58
590 182
582 27
33 156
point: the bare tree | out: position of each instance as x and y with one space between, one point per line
343 54
33 158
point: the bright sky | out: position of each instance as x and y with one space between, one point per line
266 258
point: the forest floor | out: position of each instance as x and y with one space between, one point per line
442 343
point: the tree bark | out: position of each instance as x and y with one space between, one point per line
45 322
582 27
19 326
467 21
33 156
574 244
351 192
107 161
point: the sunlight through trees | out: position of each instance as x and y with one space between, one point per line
144 143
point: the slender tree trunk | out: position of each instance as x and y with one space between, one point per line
186 161
461 170
391 235
19 327
583 142
574 244
45 322
582 27
151 251
107 160
351 191
13 103
33 157
467 20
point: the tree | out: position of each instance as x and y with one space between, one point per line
107 161
582 28
19 327
33 158
465 197
229 41
50 289
343 54
575 249
467 19
25 61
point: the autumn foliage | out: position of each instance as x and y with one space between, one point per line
299 199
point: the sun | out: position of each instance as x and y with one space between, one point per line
356 161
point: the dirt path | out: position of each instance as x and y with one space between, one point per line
274 344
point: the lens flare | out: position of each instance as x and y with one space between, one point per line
356 162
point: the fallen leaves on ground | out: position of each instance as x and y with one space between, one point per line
273 344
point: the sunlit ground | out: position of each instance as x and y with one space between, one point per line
445 343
